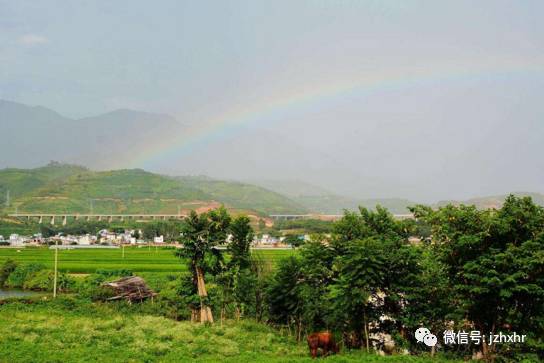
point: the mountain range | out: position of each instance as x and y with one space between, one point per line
36 135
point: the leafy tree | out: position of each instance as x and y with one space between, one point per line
236 282
168 229
428 299
316 269
294 240
285 299
360 277
242 236
494 261
200 234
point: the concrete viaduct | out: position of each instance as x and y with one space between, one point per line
53 218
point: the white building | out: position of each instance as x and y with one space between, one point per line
84 240
16 240
159 239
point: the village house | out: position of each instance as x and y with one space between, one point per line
16 240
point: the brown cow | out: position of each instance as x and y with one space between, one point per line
323 340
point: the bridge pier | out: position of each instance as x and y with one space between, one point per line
52 220
40 219
64 220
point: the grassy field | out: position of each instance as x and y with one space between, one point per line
142 259
73 331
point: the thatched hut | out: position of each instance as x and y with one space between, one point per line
131 288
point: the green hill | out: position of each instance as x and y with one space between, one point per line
60 188
495 201
245 196
320 200
23 181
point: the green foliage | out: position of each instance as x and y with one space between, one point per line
285 300
22 273
7 268
242 236
168 229
43 281
494 263
306 225
361 274
32 276
245 196
76 228
294 240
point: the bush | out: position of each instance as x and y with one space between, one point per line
7 268
22 273
43 281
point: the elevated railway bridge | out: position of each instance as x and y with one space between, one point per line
65 217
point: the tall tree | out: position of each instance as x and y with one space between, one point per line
494 261
357 287
200 234
241 238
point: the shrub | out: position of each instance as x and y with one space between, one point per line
7 268
43 280
21 273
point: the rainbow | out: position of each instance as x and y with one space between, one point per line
206 131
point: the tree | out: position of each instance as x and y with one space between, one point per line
242 236
237 281
495 265
285 300
317 274
200 234
357 287
294 240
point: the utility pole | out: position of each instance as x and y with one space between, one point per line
56 266
7 199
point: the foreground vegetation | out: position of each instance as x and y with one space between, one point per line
368 282
73 330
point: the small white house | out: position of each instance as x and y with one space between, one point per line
16 240
84 240
159 239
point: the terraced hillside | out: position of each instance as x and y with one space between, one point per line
59 188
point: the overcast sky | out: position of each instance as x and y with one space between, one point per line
425 100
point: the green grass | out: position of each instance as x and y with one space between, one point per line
142 259
77 331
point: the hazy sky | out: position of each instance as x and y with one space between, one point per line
419 99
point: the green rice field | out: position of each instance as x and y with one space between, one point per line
137 259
